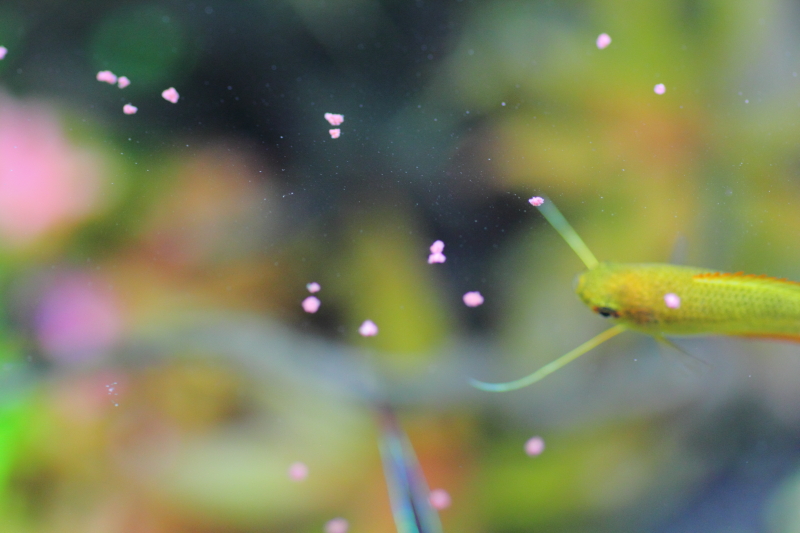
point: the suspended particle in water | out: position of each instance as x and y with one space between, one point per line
3 52
473 299
107 76
337 525
659 89
123 82
112 391
603 40
368 329
440 499
129 109
311 304
437 247
335 133
313 287
170 95
334 119
298 471
536 201
673 301
534 446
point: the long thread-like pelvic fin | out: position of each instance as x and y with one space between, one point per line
557 220
549 368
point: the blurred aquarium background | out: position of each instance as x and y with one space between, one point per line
159 374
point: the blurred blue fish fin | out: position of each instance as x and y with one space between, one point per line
408 491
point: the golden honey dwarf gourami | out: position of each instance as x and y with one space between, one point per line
664 300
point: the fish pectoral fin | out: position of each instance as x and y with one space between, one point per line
551 367
691 364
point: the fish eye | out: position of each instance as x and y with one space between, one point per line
607 312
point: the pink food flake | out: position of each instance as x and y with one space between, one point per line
368 329
660 89
335 133
603 40
311 304
129 109
473 299
334 118
107 76
337 525
437 257
313 287
439 499
298 471
170 95
672 300
3 52
436 253
534 446
536 201
123 82
46 182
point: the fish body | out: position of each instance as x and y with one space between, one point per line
710 302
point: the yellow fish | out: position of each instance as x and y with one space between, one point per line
662 299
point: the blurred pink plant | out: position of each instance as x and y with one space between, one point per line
78 319
44 182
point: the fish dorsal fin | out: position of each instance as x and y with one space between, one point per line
734 277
